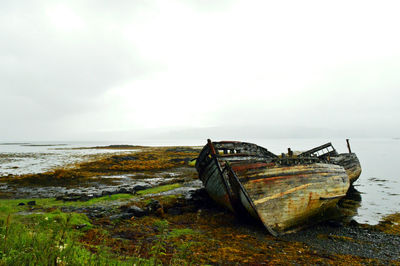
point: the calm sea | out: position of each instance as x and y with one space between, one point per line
378 185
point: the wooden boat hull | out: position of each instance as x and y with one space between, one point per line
285 198
350 163
216 185
283 193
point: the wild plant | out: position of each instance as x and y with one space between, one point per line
159 247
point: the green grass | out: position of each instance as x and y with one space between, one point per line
181 232
108 198
44 235
50 239
11 206
57 216
158 189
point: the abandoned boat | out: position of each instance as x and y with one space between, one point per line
283 192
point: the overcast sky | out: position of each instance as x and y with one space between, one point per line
86 70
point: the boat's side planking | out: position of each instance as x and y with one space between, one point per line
216 185
350 163
210 173
286 197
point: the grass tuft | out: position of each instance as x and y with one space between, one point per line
158 189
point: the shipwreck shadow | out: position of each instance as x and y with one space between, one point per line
345 209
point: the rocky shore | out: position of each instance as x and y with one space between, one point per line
135 199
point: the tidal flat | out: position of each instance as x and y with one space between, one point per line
145 205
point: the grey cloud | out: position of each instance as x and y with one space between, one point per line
51 66
47 75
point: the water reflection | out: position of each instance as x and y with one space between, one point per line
348 206
344 211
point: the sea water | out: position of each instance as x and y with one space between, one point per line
378 185
37 157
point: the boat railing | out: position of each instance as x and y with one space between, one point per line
233 148
323 151
232 151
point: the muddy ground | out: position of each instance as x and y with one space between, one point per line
151 197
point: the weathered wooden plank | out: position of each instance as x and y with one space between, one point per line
350 163
287 196
216 187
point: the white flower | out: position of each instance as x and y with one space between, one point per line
61 247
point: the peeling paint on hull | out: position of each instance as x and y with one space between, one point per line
286 197
244 177
350 163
